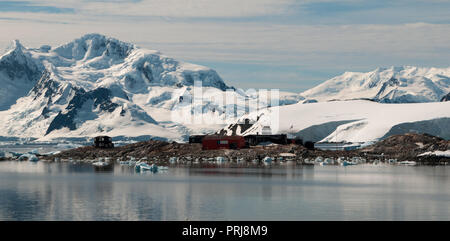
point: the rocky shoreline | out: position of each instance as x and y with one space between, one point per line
398 148
395 149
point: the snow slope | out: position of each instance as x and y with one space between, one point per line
355 121
387 85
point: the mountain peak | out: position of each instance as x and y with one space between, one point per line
93 36
17 44
94 45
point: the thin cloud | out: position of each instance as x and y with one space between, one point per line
180 9
32 7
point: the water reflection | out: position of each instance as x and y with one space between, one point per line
64 191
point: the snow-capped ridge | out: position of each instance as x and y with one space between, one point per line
90 46
404 84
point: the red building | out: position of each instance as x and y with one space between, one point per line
214 142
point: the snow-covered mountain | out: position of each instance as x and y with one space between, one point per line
386 85
100 85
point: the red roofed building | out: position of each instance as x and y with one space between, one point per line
214 142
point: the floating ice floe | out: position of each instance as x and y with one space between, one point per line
318 159
376 162
307 161
143 167
163 168
392 161
34 151
221 159
102 162
267 160
29 157
347 163
173 160
329 161
408 163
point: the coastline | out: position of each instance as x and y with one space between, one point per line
397 148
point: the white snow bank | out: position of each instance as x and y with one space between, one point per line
436 153
371 120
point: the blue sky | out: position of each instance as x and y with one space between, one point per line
286 44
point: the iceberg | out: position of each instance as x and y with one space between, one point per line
347 163
143 167
408 163
267 160
221 159
100 164
29 157
173 160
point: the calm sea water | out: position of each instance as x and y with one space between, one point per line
64 191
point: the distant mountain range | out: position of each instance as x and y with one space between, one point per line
386 85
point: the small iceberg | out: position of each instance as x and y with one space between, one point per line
267 160
408 163
318 159
392 161
221 160
163 168
347 163
329 161
35 151
29 157
143 167
173 160
100 164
